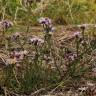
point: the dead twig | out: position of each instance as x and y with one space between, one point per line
37 92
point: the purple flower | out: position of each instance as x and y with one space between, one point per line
76 34
19 55
6 24
47 24
46 21
72 57
36 41
69 55
15 36
83 26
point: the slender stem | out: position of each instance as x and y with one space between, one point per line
70 10
16 77
28 23
15 17
55 59
3 14
77 46
83 34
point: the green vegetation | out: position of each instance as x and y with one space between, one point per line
62 11
36 58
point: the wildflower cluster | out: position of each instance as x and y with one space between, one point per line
47 24
36 41
38 61
18 54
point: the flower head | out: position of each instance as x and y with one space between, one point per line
6 24
18 54
47 24
15 36
76 34
46 21
83 26
36 41
69 55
